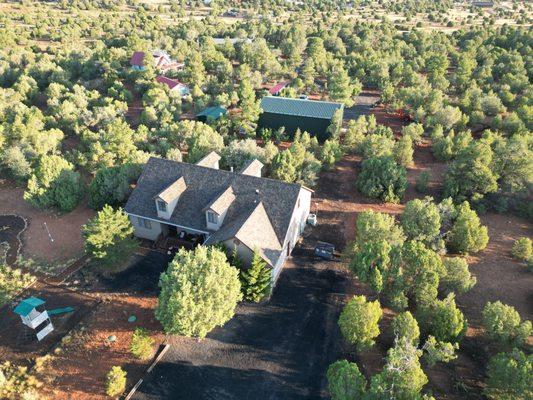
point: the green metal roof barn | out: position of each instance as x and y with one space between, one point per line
310 116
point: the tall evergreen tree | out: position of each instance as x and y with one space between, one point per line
108 238
256 281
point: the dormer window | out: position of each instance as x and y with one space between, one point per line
161 206
166 200
212 218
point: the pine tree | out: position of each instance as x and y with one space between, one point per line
256 280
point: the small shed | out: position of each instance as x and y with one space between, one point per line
34 316
137 61
211 114
276 90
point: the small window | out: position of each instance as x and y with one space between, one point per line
161 205
211 217
144 223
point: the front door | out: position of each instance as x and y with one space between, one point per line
172 231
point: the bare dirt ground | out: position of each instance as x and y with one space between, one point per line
65 229
499 277
19 344
79 369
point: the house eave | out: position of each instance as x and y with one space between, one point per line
166 222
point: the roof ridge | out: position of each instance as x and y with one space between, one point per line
234 174
306 100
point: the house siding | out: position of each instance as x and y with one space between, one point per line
296 227
151 234
244 253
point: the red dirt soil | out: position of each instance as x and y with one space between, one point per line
65 229
499 277
79 370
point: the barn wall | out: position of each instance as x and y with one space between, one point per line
314 126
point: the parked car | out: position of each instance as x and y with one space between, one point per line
324 250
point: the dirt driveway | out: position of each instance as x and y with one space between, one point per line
276 350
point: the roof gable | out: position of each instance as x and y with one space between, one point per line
258 234
174 190
209 159
221 203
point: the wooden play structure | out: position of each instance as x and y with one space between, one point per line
34 316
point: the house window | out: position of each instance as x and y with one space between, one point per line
212 218
161 205
144 223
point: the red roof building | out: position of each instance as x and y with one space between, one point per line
173 84
274 91
137 59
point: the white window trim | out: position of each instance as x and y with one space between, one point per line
144 223
161 206
212 217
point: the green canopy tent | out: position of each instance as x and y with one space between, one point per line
211 114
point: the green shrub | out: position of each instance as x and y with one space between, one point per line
54 183
359 322
115 381
111 185
467 234
503 323
404 325
141 344
436 351
458 278
16 383
199 291
509 376
381 178
108 239
11 282
422 182
522 249
345 381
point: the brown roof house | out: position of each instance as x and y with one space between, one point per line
173 84
161 60
242 210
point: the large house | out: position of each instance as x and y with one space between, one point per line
242 210
310 116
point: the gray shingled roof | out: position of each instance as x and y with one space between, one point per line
299 107
206 184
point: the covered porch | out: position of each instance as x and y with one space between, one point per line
172 238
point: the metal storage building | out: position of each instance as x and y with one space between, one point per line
310 116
